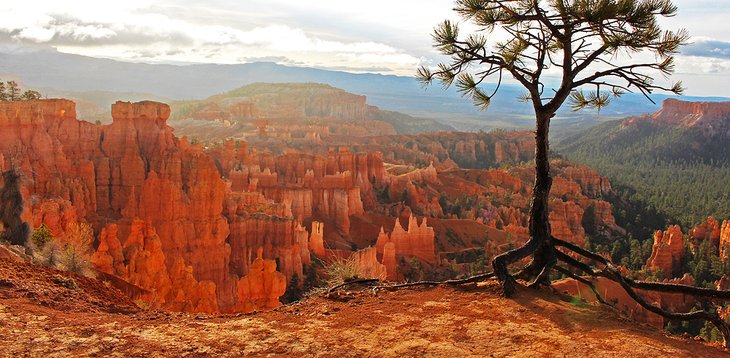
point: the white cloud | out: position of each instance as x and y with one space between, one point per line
136 32
378 34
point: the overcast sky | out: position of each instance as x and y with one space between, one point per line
384 36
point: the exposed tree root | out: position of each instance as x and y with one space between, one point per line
584 281
611 272
362 281
596 266
462 281
599 266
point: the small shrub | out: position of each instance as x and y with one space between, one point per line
47 255
71 252
340 271
41 236
76 253
578 302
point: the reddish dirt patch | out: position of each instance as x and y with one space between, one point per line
60 290
441 322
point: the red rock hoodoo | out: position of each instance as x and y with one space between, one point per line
708 230
261 288
725 239
157 202
667 252
418 241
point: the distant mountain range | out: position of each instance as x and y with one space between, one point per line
80 76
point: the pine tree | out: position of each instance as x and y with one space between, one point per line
13 91
581 39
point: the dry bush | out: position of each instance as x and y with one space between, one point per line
341 270
72 252
47 255
76 254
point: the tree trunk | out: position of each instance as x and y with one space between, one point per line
539 245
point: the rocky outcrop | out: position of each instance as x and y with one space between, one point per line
590 182
141 262
667 252
261 288
725 239
418 241
711 118
566 221
157 202
708 230
412 188
316 240
367 264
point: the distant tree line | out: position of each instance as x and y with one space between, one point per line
10 91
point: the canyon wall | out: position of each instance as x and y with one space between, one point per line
712 119
725 239
329 187
156 202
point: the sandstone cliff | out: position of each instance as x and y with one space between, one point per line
329 187
712 119
157 201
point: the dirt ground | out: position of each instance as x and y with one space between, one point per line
39 319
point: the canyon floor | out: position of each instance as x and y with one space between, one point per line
43 313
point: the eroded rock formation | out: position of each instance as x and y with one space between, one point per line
368 265
328 188
418 241
261 288
157 201
725 239
708 230
667 252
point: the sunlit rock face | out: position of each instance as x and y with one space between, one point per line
711 118
708 230
155 201
725 239
331 187
418 240
667 252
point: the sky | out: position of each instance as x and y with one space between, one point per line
379 36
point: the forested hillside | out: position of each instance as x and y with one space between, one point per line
681 171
